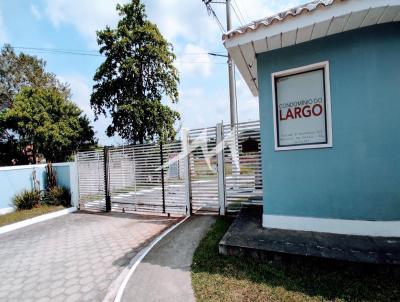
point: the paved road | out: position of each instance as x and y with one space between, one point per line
164 274
74 257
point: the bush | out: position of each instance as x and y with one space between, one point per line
57 196
26 200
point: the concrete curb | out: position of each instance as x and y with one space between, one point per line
112 294
37 219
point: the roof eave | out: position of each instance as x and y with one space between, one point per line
309 25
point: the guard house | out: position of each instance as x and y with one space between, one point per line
327 75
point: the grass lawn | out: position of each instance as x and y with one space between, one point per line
25 214
221 278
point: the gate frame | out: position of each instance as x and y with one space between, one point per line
107 179
221 168
187 179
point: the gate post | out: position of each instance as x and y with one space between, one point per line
107 179
162 177
186 165
220 169
74 181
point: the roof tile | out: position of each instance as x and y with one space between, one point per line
280 17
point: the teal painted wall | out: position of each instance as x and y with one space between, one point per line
17 180
359 178
13 181
63 176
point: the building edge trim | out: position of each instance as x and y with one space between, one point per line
334 226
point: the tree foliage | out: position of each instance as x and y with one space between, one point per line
45 118
23 70
137 72
35 110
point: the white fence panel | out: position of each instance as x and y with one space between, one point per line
90 165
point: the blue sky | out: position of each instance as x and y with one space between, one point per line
71 24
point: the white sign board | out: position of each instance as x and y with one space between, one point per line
302 108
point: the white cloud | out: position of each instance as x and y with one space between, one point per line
180 20
81 91
176 20
87 16
192 31
194 60
248 106
35 12
3 31
252 10
180 24
192 23
200 107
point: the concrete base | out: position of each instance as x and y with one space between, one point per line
246 236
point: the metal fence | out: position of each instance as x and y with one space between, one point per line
213 169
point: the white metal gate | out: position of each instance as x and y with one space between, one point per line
214 169
203 169
242 164
139 181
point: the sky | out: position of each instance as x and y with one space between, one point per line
72 25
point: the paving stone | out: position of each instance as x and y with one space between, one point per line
37 294
86 280
56 292
74 297
46 299
72 290
72 258
87 288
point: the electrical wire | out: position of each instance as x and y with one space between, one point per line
212 12
44 51
91 53
237 14
56 49
240 12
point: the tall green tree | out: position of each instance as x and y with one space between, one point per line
137 72
47 120
23 70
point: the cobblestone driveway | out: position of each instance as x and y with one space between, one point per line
72 258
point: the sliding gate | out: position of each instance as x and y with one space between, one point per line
213 169
203 169
139 180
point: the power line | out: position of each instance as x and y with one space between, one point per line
240 12
237 15
90 52
211 11
56 49
179 61
59 51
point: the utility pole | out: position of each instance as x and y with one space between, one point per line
233 144
231 77
232 90
233 104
